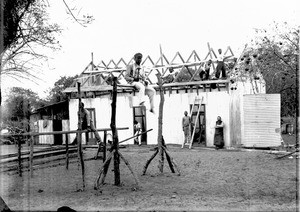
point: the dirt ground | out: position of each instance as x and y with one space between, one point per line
211 180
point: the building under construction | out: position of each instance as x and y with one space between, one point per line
251 117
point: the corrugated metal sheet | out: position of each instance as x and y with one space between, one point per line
261 118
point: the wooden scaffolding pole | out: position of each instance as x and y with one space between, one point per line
115 133
114 151
160 123
67 151
31 140
1 48
79 139
19 156
161 148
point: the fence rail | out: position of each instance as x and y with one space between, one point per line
58 132
33 134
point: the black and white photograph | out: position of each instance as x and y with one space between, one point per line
149 105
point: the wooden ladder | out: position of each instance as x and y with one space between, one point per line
198 112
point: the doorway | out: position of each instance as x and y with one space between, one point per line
200 133
139 114
57 126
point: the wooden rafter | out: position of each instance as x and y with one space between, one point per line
123 61
163 65
146 59
194 53
112 62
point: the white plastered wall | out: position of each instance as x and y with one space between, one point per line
217 104
102 106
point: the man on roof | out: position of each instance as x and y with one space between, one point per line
135 75
205 70
221 69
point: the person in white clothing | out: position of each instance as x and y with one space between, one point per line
171 76
205 70
135 75
138 130
221 65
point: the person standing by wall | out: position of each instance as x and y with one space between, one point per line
186 123
219 134
87 124
137 130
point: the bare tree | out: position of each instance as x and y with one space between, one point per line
25 26
33 30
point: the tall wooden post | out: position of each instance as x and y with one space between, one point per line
104 145
79 147
31 155
19 156
114 150
115 133
67 151
160 123
1 47
161 148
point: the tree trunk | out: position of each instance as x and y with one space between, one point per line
115 133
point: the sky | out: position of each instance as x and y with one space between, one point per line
123 27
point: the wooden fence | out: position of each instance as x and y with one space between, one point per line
66 133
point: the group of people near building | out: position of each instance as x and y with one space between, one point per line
87 123
135 76
187 126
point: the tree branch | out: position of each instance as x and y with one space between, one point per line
71 13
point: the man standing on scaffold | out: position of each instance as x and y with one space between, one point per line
135 75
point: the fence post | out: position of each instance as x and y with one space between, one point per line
79 138
31 155
115 145
67 151
19 156
104 145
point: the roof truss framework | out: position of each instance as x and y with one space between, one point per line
101 74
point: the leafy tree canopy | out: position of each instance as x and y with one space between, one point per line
56 93
20 103
274 53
